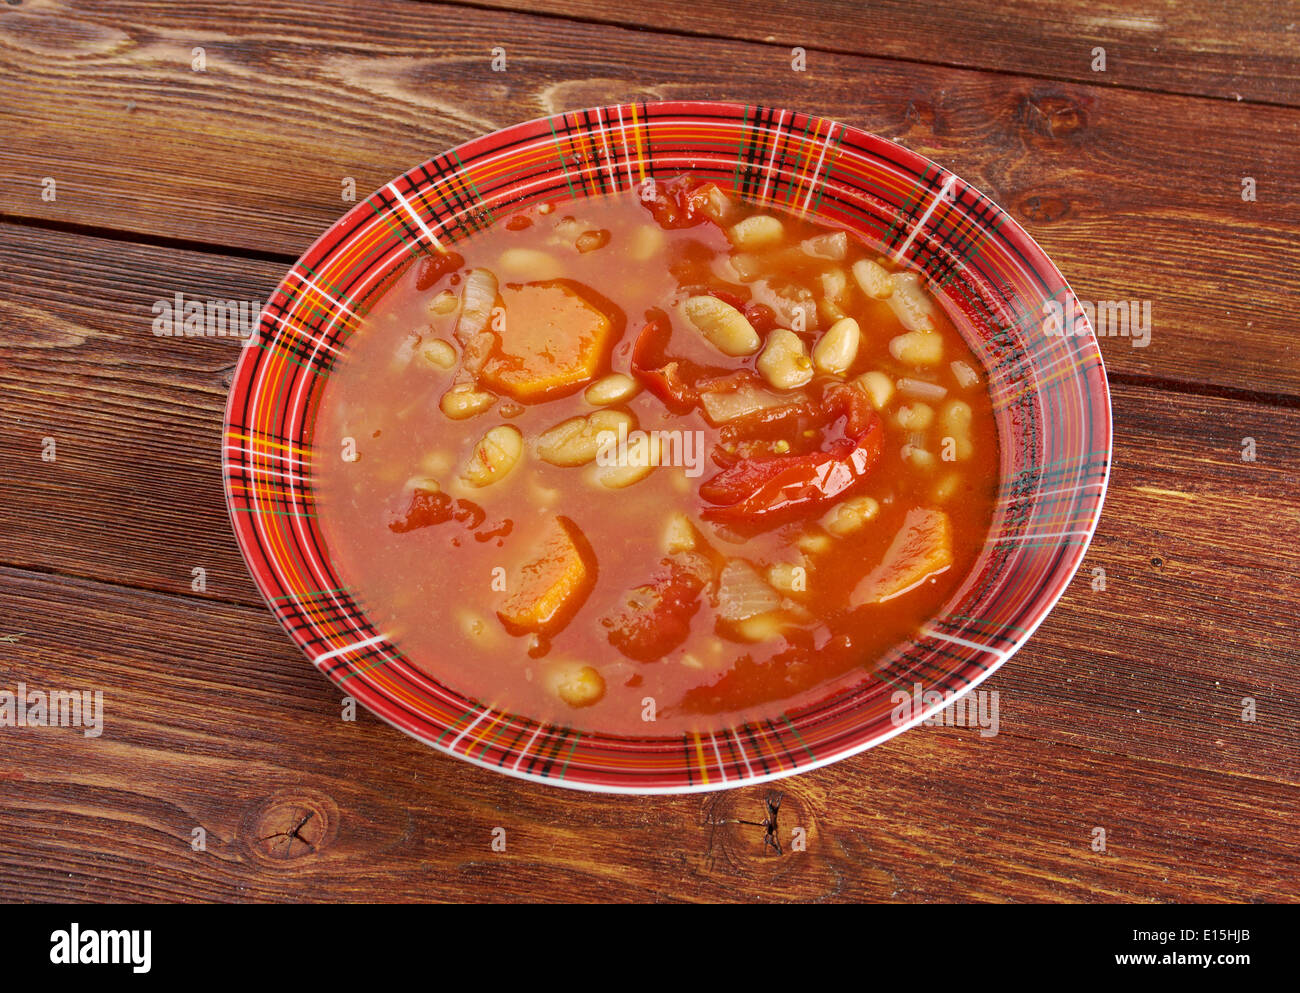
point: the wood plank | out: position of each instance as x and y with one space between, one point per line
1235 50
1102 176
212 721
135 499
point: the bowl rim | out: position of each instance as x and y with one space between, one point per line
1045 600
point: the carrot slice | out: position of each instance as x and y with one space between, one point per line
921 549
555 338
547 590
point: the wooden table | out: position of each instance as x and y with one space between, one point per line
1125 711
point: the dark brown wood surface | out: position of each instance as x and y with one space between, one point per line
1125 710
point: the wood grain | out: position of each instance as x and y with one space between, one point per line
1124 711
1137 195
134 500
1253 55
222 726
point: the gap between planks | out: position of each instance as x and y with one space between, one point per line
1142 380
669 32
1084 749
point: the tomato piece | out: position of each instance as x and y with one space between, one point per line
677 203
672 381
760 315
776 487
434 267
430 507
771 424
653 619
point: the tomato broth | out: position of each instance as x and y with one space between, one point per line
656 461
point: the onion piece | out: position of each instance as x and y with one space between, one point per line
922 390
476 302
721 406
832 246
743 593
966 376
911 304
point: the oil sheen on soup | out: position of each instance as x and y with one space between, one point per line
653 462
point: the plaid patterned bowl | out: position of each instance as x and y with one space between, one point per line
1049 390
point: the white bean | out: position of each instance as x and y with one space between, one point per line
826 246
813 541
647 241
438 353
746 267
494 456
761 627
426 483
946 488
838 347
910 302
531 263
876 281
679 534
478 629
919 457
965 375
614 388
957 416
576 684
464 401
784 362
915 416
758 231
850 516
437 462
726 328
917 348
642 457
878 387
835 285
955 420
786 577
444 303
576 441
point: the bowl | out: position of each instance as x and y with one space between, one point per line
1045 375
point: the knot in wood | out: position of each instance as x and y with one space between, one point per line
290 828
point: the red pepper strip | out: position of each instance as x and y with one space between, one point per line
769 423
849 402
780 485
674 382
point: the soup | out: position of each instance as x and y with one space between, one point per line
655 461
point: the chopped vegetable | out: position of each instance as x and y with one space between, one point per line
554 340
739 394
743 593
767 489
682 202
672 381
921 549
550 587
434 267
653 619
